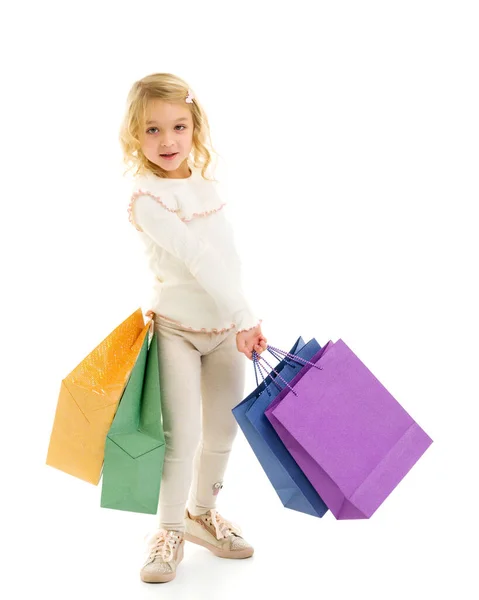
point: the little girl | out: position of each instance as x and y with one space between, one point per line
202 320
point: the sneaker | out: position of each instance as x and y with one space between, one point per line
217 534
166 549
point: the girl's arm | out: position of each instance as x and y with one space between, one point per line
166 229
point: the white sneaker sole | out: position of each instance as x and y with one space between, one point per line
160 578
245 553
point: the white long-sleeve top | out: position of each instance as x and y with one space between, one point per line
189 242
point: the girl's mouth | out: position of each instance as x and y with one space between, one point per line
169 156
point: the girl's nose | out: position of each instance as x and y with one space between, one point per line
165 143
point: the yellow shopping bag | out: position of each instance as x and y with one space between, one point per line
88 400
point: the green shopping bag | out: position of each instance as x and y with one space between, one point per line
135 444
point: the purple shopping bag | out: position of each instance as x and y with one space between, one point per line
350 437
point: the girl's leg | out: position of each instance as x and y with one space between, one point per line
180 385
222 385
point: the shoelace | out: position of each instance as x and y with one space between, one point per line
163 544
223 527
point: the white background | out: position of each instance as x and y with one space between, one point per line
348 135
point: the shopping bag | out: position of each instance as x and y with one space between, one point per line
88 400
291 485
135 444
350 436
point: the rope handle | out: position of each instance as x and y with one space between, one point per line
260 366
294 357
255 364
282 354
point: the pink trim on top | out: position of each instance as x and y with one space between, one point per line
250 328
142 193
204 214
172 210
202 330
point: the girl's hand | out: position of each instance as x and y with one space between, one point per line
150 313
247 341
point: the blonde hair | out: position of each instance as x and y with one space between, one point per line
170 88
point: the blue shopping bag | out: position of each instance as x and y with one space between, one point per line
290 483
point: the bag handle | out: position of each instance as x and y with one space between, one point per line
282 354
258 365
293 357
280 358
272 350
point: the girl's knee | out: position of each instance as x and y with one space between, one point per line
220 441
180 446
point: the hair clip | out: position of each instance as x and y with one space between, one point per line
190 97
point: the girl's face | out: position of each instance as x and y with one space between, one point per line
168 129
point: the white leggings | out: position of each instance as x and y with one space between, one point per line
202 377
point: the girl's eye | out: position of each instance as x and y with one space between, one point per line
148 130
